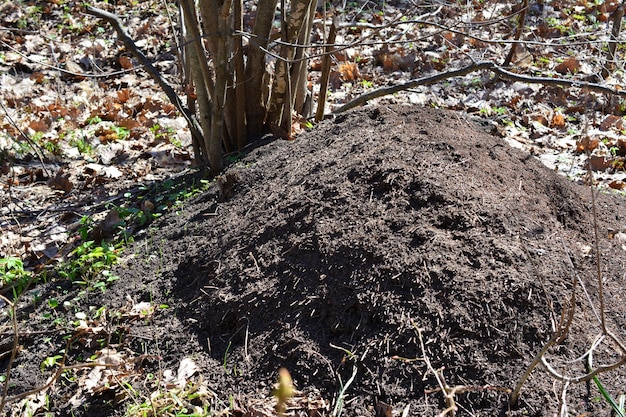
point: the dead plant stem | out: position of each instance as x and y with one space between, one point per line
32 143
518 33
597 247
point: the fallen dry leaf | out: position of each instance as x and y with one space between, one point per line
61 181
558 121
147 206
123 95
383 409
108 226
186 370
349 71
31 405
141 310
112 172
571 65
586 144
599 162
125 62
40 125
612 121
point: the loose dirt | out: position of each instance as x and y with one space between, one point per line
333 254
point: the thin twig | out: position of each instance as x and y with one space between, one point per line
597 244
35 146
518 388
618 15
518 33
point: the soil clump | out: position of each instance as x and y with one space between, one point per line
327 254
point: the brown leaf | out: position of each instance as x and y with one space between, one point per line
612 121
621 146
40 125
383 409
129 124
571 65
38 77
546 31
147 207
586 144
73 68
61 182
316 64
455 39
558 121
349 71
523 58
125 62
169 109
107 227
123 95
528 119
617 185
189 91
110 222
388 62
599 162
153 105
57 110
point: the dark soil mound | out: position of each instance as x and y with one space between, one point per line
326 254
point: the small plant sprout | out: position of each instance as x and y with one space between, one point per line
618 407
51 361
13 275
284 391
89 265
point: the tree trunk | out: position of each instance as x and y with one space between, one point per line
200 73
297 15
300 72
255 66
216 25
241 136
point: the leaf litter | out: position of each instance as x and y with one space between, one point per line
108 142
109 132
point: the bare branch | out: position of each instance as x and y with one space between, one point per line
321 97
518 33
618 15
114 21
479 66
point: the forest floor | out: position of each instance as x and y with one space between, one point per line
383 253
336 256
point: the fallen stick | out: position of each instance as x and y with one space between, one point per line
478 66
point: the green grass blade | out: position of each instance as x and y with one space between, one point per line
619 411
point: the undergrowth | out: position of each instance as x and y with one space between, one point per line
89 267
